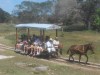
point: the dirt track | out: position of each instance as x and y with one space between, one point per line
64 61
4 47
73 65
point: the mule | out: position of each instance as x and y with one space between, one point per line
81 50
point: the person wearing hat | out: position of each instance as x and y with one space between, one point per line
56 42
49 45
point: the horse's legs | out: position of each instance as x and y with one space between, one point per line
79 57
71 55
87 58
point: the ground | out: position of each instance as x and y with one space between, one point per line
24 65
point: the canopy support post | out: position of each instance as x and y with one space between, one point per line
56 33
40 32
43 35
16 36
28 33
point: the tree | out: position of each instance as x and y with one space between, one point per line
87 11
63 10
96 22
29 11
4 16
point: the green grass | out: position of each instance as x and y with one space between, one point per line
9 67
23 65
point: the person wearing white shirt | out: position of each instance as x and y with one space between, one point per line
56 43
49 45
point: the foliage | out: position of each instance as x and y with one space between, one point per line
69 13
29 11
66 14
64 11
23 65
4 16
97 19
88 9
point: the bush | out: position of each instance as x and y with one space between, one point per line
74 28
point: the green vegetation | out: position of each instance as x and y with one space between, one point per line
72 14
23 65
82 15
7 33
4 16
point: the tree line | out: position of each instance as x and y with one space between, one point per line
71 14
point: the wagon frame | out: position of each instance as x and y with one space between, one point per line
41 27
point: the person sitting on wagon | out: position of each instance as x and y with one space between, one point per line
19 44
56 43
39 49
49 45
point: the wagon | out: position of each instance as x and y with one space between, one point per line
42 27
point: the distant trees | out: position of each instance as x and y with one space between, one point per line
69 13
87 11
96 22
66 9
29 11
75 12
66 13
4 16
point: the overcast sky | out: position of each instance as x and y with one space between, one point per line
8 5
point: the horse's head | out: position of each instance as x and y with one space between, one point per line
91 47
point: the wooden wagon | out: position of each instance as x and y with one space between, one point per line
41 27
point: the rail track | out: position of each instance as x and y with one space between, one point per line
5 47
62 60
81 64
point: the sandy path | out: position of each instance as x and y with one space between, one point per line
3 48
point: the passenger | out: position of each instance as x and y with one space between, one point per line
35 49
26 45
47 38
19 45
33 38
37 41
25 42
50 46
39 49
31 47
58 46
56 43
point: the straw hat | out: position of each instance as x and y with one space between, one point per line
51 39
56 38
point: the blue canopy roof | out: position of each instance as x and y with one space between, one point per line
39 26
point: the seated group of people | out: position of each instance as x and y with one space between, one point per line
36 46
30 47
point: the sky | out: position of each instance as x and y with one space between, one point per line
8 5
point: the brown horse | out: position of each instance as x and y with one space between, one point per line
81 50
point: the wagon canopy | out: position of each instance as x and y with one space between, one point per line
38 26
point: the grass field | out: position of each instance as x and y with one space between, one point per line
23 65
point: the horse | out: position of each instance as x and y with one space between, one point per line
81 50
